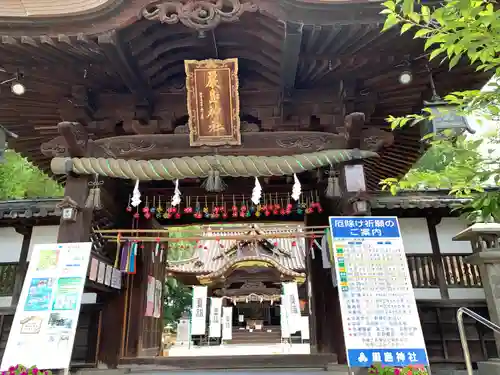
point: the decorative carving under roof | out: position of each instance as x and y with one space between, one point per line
198 14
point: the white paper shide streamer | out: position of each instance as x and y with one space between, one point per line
176 199
296 189
136 195
256 192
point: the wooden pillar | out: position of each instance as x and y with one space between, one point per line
78 231
76 138
432 223
22 266
311 300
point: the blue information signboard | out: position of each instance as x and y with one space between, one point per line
379 312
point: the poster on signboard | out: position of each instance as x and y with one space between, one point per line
150 296
199 310
44 325
379 312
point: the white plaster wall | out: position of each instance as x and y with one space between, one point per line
446 230
415 235
10 245
44 234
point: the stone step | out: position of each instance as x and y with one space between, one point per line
247 362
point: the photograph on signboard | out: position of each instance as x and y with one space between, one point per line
67 294
61 320
48 260
39 294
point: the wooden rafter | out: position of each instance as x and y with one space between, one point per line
290 56
121 59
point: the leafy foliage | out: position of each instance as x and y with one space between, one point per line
455 30
177 298
20 179
181 250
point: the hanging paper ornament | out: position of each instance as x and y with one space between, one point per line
136 195
176 199
296 189
256 192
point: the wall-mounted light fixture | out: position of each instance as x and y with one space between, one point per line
406 75
16 86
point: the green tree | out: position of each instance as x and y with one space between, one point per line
177 298
20 179
454 31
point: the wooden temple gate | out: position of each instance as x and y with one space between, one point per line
306 83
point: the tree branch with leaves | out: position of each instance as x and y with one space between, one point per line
455 31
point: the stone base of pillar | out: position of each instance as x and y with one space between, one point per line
490 367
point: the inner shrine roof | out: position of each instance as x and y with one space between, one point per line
218 255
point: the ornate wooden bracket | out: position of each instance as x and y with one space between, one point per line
80 106
200 15
76 138
353 126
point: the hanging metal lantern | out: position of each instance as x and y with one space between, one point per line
446 117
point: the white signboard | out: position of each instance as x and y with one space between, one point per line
292 306
285 329
379 312
182 332
199 310
44 326
214 329
227 323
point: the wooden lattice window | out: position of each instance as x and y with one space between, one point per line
7 278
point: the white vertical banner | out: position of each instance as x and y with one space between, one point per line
215 317
292 308
44 326
285 330
199 310
227 323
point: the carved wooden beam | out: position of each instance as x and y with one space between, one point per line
76 138
121 59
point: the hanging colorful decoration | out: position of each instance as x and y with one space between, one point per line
270 205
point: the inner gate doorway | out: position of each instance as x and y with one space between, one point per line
246 278
244 265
